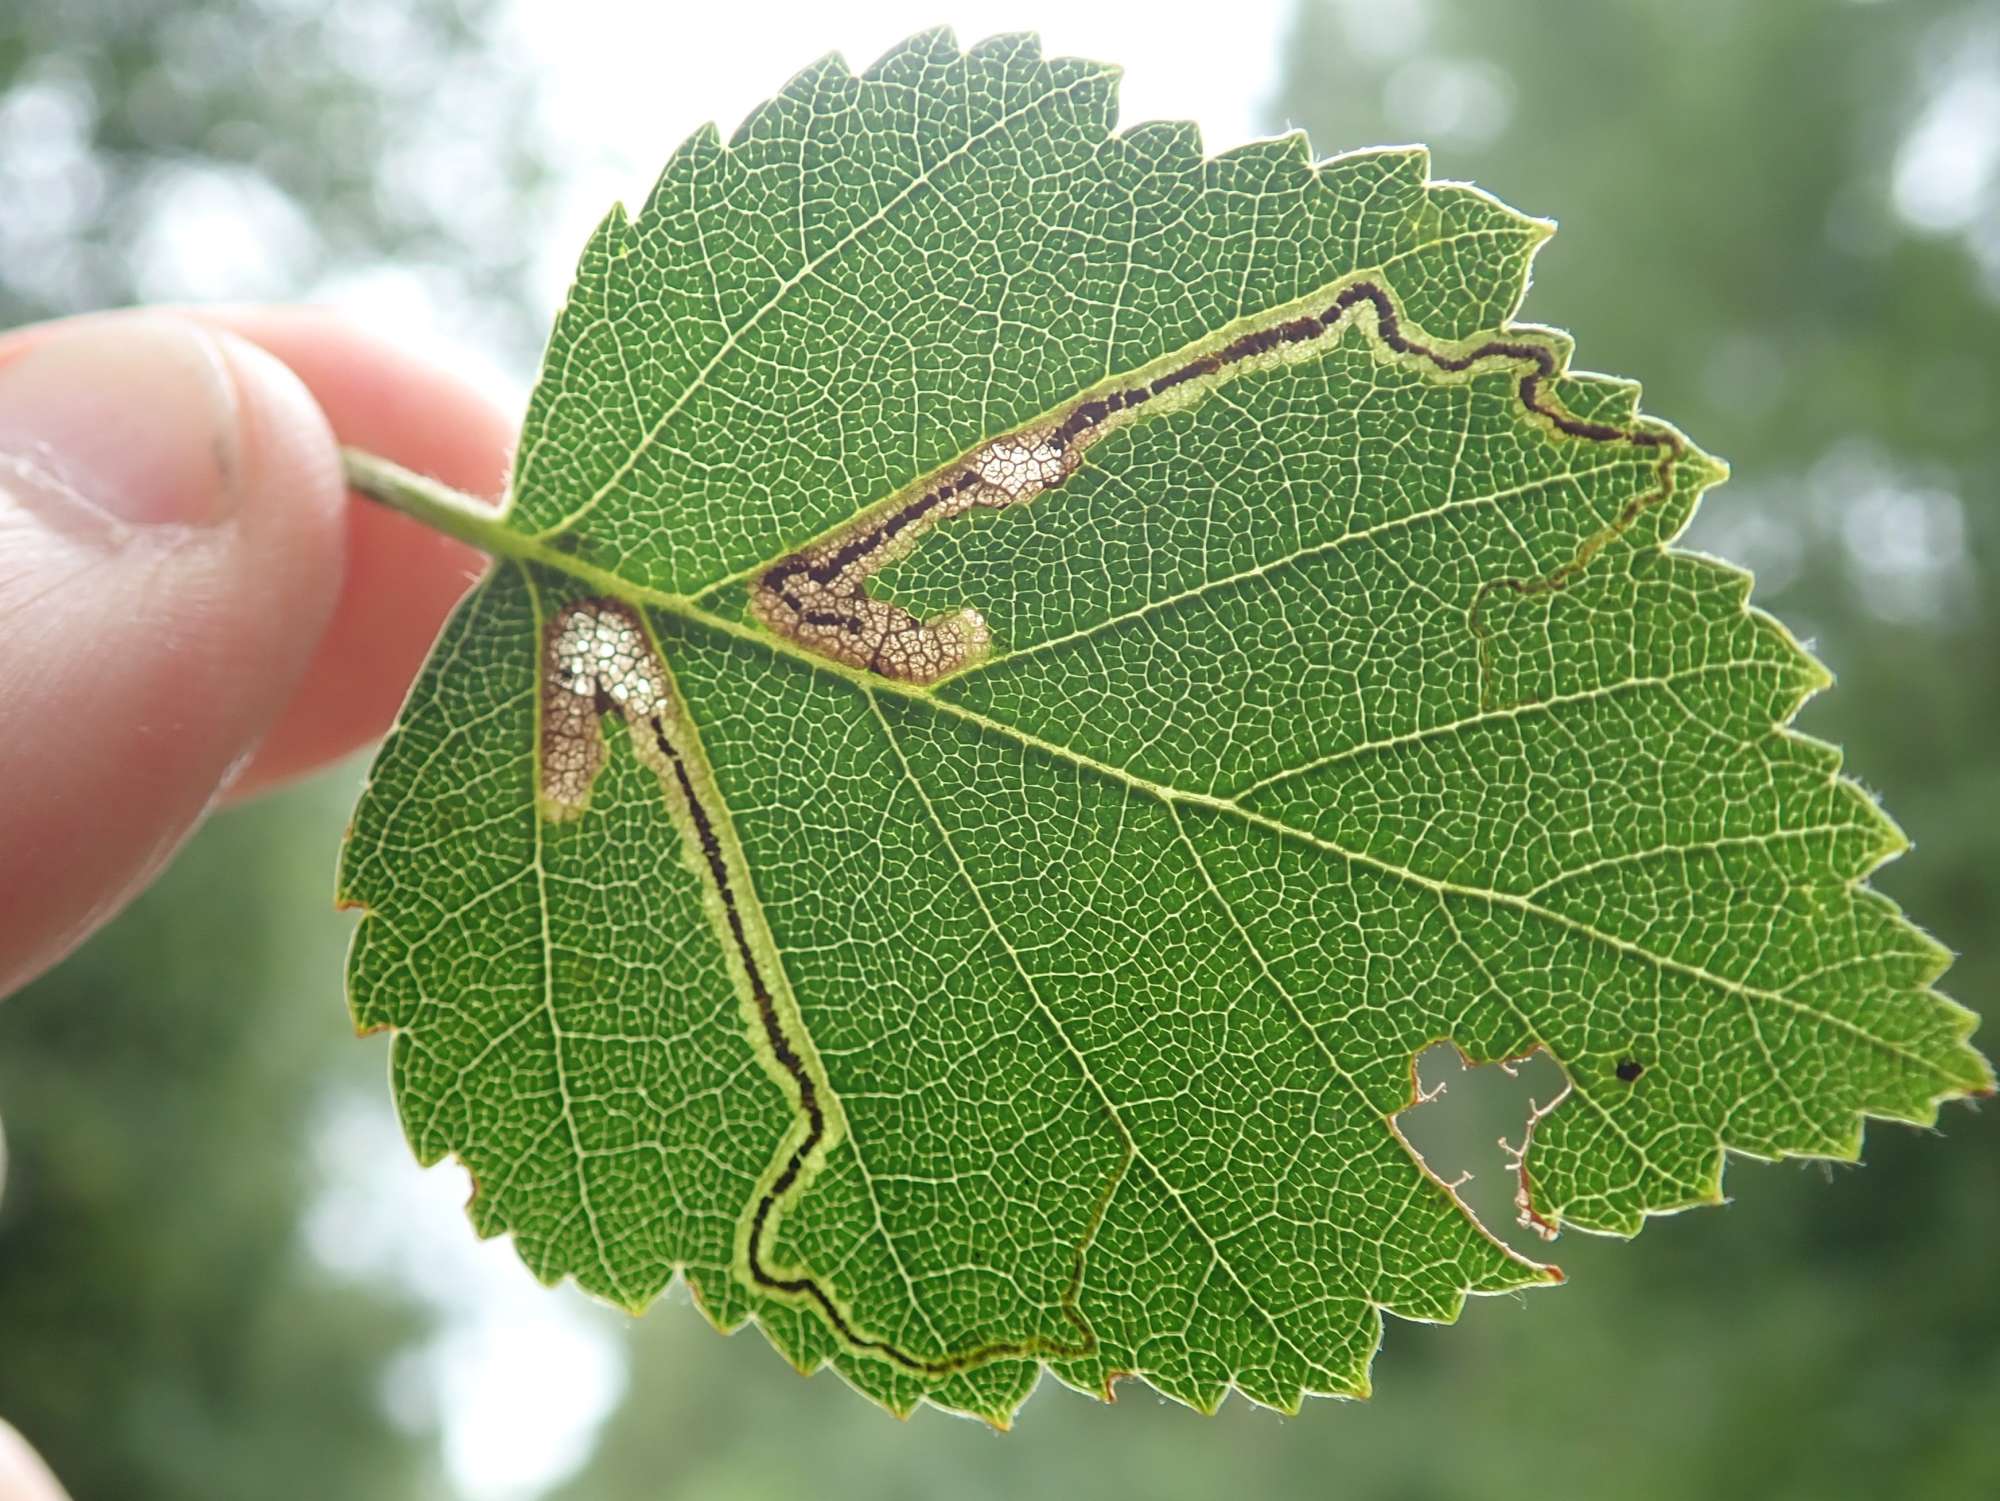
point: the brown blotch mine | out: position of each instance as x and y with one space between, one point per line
819 596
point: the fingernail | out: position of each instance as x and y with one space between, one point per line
133 418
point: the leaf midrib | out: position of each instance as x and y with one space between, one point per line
867 683
486 529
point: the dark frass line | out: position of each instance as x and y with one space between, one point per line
810 610
815 1113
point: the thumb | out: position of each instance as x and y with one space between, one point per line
170 549
23 1477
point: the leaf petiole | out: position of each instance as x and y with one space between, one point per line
438 506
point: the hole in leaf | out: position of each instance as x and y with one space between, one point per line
1466 1122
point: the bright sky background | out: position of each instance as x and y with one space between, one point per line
627 82
623 82
520 1379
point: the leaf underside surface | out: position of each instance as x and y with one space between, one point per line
1035 673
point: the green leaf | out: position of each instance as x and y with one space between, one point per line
1031 674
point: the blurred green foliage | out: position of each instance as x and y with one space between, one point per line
1751 221
160 1333
243 149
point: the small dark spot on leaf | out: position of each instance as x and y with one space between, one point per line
1630 1069
567 542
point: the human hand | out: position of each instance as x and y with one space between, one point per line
190 604
192 608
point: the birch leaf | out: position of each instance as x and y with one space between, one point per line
1030 672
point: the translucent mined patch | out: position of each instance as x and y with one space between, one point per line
819 596
597 660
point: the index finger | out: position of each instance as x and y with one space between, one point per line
402 578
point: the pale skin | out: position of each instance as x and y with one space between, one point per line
193 608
